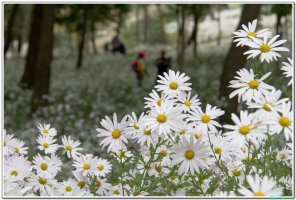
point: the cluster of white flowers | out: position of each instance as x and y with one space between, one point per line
183 149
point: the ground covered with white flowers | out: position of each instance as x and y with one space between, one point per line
99 135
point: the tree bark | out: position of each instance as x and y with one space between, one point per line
193 38
119 24
10 28
181 37
27 81
44 56
219 26
234 61
82 39
161 22
146 23
93 37
137 24
24 32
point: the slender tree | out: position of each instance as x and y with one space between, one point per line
44 55
181 35
10 28
161 22
235 60
82 32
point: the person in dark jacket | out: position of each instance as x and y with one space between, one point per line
163 64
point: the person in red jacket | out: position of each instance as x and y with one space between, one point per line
139 67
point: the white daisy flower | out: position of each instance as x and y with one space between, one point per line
221 148
156 169
146 137
205 121
285 155
244 36
102 187
46 130
190 154
46 144
69 188
187 102
47 167
288 69
18 147
44 185
173 83
8 142
267 104
113 133
123 155
266 49
248 86
84 164
102 167
165 153
260 187
134 124
283 121
155 98
16 168
163 118
81 181
245 129
116 190
71 147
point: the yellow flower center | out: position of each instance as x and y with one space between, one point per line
204 158
173 177
17 150
282 156
158 168
198 135
159 101
101 167
5 143
81 184
236 172
284 121
86 166
244 130
267 106
217 150
265 48
98 183
182 132
116 192
248 158
45 131
43 166
253 34
188 103
116 134
164 153
189 154
147 132
161 118
14 173
254 84
205 118
122 154
259 194
136 126
45 145
174 85
69 148
42 181
68 188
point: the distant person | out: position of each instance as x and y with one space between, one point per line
139 67
116 45
163 64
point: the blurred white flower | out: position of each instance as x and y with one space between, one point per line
288 69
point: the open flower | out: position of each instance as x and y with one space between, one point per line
288 69
71 147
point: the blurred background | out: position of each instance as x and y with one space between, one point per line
70 65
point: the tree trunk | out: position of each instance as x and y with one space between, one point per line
119 24
162 29
25 26
93 37
181 37
219 26
43 56
146 23
27 81
10 28
137 25
82 39
278 24
234 61
193 37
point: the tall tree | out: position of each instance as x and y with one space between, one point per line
234 61
82 32
10 28
181 35
161 22
146 23
44 54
